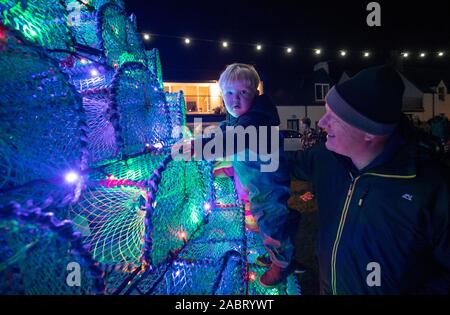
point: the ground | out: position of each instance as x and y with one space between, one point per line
306 237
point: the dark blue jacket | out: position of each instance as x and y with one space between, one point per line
394 214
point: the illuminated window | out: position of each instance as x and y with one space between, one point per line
200 97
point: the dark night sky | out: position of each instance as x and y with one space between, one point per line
332 25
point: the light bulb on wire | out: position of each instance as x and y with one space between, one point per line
94 72
72 177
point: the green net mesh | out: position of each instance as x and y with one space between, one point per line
43 22
82 20
185 188
111 220
139 109
101 141
83 23
36 259
154 64
40 124
224 191
96 4
120 40
177 114
215 260
138 168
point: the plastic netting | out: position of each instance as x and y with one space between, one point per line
119 38
137 168
224 276
154 64
224 191
98 3
201 277
185 187
139 109
40 126
224 225
83 23
40 21
101 140
37 252
82 19
112 218
112 222
177 114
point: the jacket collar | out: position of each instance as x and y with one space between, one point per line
398 159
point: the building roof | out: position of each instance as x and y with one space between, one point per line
425 79
302 91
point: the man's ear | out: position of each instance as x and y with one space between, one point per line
369 137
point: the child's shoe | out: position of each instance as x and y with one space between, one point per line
273 277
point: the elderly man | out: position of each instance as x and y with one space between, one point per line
383 210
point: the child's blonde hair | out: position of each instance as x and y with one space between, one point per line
240 72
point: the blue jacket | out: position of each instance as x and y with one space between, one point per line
384 229
268 191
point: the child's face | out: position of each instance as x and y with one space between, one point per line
238 97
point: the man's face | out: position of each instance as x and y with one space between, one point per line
342 138
238 97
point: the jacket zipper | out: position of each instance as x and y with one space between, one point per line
344 216
339 232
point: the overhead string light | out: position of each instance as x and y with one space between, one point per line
289 50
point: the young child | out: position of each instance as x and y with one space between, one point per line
268 192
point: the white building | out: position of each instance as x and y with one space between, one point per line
426 95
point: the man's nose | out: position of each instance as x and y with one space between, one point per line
323 121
